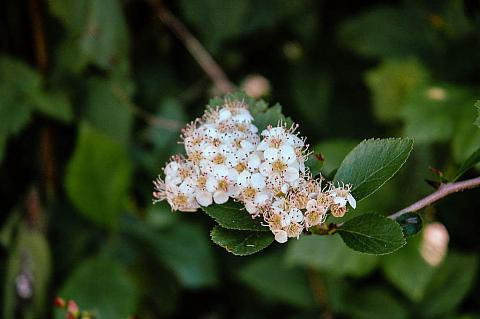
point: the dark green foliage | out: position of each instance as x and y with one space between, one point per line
88 123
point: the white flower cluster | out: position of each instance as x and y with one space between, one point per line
227 158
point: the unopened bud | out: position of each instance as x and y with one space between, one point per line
256 86
434 244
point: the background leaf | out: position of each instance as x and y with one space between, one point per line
330 255
278 280
98 177
101 286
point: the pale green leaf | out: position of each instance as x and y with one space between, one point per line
102 286
390 83
98 176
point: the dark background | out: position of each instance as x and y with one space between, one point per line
93 94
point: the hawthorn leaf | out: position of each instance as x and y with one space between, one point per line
241 242
372 234
232 215
372 163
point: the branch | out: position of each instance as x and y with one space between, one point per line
199 53
443 191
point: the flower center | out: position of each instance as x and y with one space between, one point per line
223 185
219 159
249 192
240 167
279 166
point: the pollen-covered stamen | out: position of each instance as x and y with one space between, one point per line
278 166
219 159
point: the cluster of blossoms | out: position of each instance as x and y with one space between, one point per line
226 157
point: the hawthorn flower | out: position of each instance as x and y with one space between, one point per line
226 158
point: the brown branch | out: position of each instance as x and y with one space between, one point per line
38 35
443 191
199 53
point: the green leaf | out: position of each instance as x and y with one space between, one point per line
469 163
477 121
98 177
97 27
408 271
431 113
232 215
107 108
272 116
241 242
372 163
449 285
19 83
411 223
334 151
55 105
363 35
103 287
466 137
330 255
29 258
270 276
372 234
183 248
390 84
374 303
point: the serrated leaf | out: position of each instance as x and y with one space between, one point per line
411 223
372 234
272 277
101 286
232 215
372 163
241 242
98 176
329 254
272 116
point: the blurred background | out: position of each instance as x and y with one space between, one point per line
93 94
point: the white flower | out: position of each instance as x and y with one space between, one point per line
281 236
341 196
